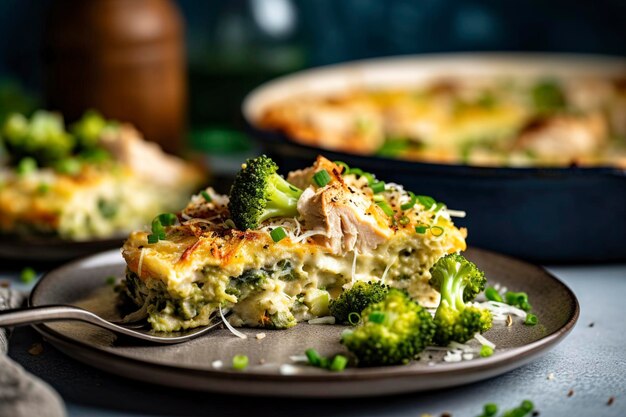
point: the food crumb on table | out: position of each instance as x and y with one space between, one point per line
550 376
260 336
610 401
570 393
287 369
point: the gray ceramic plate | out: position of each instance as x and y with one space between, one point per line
38 248
189 365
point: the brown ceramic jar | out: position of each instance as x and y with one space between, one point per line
124 58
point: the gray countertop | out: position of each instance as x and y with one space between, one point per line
591 362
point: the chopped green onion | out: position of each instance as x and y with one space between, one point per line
354 318
438 207
356 171
377 317
321 178
492 294
167 219
421 229
324 362
314 358
527 406
515 297
278 234
490 410
360 173
240 362
345 167
206 196
378 187
531 319
378 197
386 208
436 230
339 363
411 203
110 280
404 220
158 226
396 146
426 201
26 166
370 178
486 351
28 275
157 229
519 299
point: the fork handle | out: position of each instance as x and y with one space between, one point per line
32 315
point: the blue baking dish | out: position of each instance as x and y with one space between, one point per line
548 215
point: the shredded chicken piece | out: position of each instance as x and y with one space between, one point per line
355 126
349 218
146 159
564 137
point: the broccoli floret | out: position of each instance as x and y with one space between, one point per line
458 281
259 193
392 331
89 128
43 137
356 299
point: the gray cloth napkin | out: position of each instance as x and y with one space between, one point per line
22 394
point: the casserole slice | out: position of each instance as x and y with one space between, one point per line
347 228
102 180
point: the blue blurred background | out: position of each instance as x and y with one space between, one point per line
233 45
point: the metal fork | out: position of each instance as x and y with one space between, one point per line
33 315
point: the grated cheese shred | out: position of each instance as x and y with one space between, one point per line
230 327
354 265
387 268
140 263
